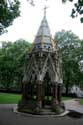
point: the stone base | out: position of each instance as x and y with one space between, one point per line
45 113
31 106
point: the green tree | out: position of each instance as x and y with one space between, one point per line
77 10
69 45
9 10
12 58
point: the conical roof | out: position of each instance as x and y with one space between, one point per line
43 38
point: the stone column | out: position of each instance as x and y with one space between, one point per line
55 96
24 87
23 102
39 94
59 93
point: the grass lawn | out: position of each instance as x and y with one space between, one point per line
66 98
81 101
6 98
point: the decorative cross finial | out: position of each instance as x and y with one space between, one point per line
45 8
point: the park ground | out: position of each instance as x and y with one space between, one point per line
8 117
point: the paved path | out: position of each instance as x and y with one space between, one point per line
74 105
8 117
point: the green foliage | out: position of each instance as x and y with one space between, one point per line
70 49
78 8
12 58
9 10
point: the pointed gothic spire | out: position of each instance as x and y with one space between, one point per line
43 38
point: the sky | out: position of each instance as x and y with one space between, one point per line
58 16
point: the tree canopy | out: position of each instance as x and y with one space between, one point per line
77 10
9 10
71 49
12 58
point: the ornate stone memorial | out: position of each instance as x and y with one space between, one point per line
42 75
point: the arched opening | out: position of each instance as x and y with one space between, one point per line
47 90
31 87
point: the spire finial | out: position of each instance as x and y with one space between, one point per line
45 8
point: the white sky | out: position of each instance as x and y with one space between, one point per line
58 16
